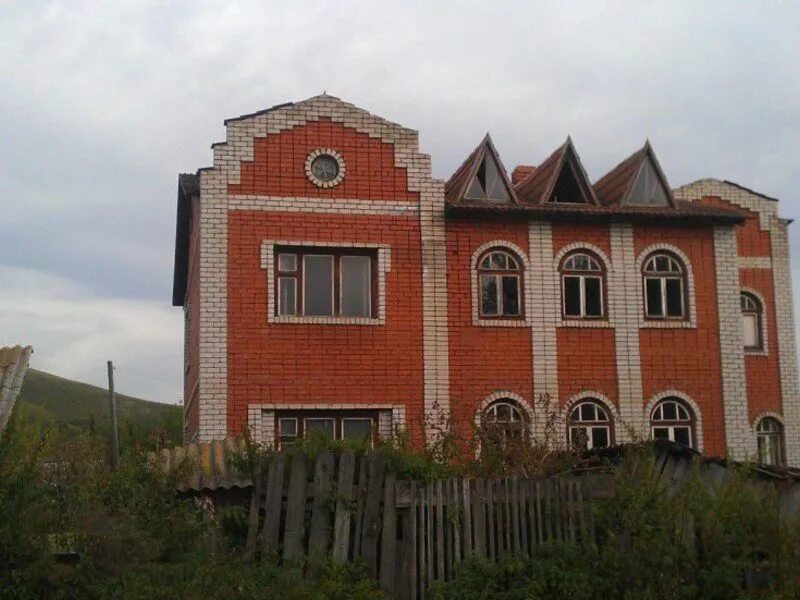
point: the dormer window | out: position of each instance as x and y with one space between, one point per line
648 189
488 183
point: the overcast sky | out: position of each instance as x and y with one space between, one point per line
102 104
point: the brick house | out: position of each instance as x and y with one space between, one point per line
330 282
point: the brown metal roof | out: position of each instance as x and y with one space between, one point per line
207 466
538 186
612 189
520 172
456 186
13 365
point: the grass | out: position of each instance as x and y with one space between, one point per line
71 407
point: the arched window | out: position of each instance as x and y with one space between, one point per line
673 420
770 441
505 420
751 321
590 426
500 284
664 287
582 286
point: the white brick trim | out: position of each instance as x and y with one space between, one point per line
698 415
691 322
322 205
764 351
764 414
498 395
268 264
339 161
544 314
755 262
585 323
526 274
624 290
261 417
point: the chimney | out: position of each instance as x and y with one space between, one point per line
520 172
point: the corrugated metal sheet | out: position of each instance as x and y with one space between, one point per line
13 365
206 467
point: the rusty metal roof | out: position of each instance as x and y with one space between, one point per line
205 467
13 364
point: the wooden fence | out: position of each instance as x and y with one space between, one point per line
410 533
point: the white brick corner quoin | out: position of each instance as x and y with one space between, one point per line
769 221
215 203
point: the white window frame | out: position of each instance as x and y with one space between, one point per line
371 428
589 426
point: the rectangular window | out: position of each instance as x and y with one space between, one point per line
344 424
356 429
674 297
572 296
593 296
654 307
750 331
510 295
489 304
323 282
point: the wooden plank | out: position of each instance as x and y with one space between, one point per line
583 521
371 527
361 494
422 537
253 517
479 518
466 517
272 508
321 511
516 534
295 509
522 506
440 536
388 536
429 527
532 520
490 537
455 519
344 508
509 521
405 587
500 514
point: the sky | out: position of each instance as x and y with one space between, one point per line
102 104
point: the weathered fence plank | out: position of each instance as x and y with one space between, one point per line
320 511
371 527
361 494
293 546
253 517
272 507
479 518
389 545
344 509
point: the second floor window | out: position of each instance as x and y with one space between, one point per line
317 282
751 321
664 287
499 285
582 287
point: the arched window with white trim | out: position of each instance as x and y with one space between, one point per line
672 419
769 433
590 426
752 315
504 419
582 286
500 285
664 282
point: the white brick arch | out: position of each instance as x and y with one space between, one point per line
504 395
765 414
687 265
698 415
526 275
575 246
764 340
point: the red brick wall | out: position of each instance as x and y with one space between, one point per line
482 359
279 160
586 356
278 363
688 359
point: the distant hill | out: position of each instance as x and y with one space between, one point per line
71 406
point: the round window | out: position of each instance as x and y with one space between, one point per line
325 167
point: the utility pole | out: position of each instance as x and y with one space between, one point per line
113 406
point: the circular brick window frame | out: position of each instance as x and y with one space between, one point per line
335 156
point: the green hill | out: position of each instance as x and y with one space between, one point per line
71 407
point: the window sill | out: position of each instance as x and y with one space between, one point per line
585 323
755 352
479 322
667 324
327 320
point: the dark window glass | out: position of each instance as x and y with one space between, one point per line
356 429
661 433
572 296
318 285
653 288
599 437
510 296
674 298
325 426
593 296
488 295
683 436
669 411
287 291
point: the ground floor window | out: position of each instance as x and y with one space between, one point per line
589 426
770 441
673 420
294 425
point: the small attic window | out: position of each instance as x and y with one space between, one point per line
647 189
567 188
488 182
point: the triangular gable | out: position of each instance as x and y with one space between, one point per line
636 181
481 178
560 178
